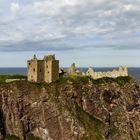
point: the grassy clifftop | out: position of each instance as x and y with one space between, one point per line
75 79
3 78
84 79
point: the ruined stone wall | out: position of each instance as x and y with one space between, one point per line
43 70
51 70
71 70
55 70
40 71
32 70
122 71
47 71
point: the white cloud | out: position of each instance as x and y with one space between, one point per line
52 7
15 7
67 20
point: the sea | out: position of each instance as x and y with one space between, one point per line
133 71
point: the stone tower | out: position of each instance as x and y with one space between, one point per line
51 68
71 70
46 70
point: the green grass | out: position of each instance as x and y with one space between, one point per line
32 137
74 79
84 79
11 137
4 77
91 125
119 80
122 80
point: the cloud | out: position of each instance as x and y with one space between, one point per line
71 24
52 7
15 7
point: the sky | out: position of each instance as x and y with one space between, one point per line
97 33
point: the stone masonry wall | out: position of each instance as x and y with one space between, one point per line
40 70
122 71
32 70
46 70
55 70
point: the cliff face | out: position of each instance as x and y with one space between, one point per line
70 110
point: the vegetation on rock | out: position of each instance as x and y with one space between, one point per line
3 78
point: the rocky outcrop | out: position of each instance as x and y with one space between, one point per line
71 109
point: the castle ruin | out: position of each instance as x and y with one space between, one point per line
72 70
121 71
46 70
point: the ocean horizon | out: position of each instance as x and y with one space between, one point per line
133 71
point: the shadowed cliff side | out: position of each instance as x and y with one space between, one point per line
72 108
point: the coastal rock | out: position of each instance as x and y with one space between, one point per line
71 109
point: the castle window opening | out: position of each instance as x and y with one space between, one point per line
40 70
34 69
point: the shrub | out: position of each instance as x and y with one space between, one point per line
11 137
32 137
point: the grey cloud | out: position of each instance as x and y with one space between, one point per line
38 46
106 19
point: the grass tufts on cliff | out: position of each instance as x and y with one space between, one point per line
119 80
11 137
74 79
91 125
3 78
84 79
32 137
